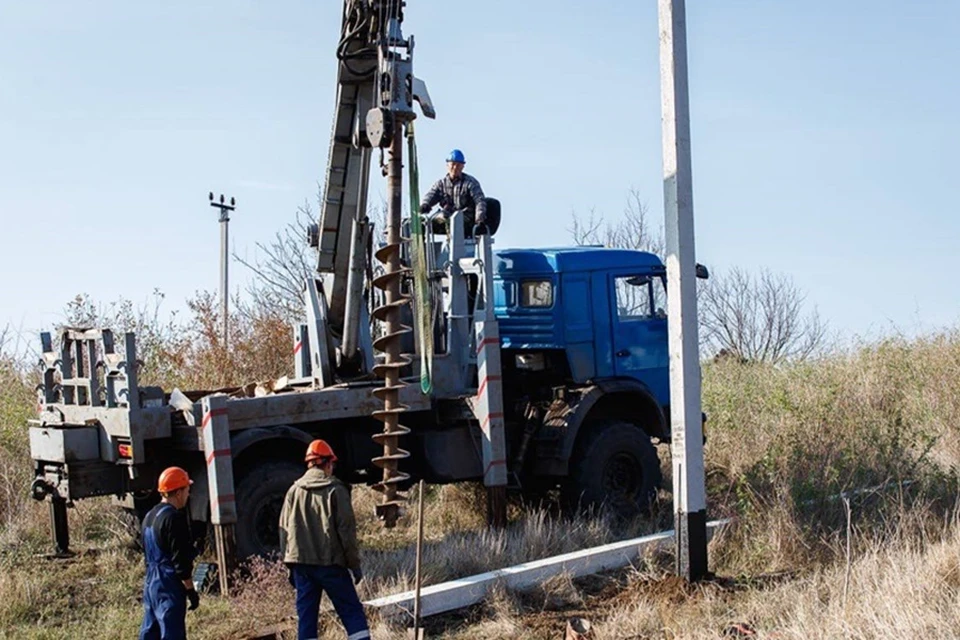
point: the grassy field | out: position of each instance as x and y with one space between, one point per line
799 562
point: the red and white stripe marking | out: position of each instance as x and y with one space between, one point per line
209 415
215 430
489 403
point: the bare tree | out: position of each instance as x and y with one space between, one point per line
281 266
758 319
17 352
632 231
5 338
743 317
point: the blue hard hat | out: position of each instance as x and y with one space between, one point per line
456 156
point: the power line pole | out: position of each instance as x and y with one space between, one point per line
225 210
689 489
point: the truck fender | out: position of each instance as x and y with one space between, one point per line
239 443
616 397
243 440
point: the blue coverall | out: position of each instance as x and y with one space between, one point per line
169 555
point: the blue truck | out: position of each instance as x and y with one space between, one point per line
584 338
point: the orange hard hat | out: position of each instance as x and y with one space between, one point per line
319 449
173 478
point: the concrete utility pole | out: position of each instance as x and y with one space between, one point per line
689 490
225 210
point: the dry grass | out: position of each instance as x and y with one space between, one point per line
900 589
17 403
782 441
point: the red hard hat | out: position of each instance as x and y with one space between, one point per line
173 478
319 449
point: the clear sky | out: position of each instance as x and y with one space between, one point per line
825 136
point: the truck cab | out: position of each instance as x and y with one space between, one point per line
596 313
583 334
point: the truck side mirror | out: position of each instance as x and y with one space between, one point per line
702 271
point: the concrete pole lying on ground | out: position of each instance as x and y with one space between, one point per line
689 490
464 592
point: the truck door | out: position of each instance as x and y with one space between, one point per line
639 324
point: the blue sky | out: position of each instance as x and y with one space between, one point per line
824 137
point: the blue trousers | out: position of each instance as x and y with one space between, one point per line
311 581
164 611
164 598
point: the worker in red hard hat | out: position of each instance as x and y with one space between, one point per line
169 553
318 541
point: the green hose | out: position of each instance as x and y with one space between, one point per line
418 259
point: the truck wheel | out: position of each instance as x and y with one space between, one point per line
260 495
615 466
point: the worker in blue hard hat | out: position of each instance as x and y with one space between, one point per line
458 191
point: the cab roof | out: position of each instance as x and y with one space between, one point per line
562 259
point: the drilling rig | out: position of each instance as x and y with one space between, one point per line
424 354
376 91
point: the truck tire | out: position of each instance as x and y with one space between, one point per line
615 466
260 495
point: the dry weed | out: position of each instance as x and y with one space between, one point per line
782 441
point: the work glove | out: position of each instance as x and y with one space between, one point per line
290 579
194 599
424 209
357 575
480 229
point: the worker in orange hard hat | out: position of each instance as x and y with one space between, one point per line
318 540
169 553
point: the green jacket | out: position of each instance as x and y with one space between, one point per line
317 525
